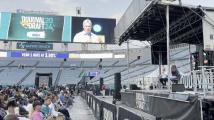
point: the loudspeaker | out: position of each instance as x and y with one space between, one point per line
50 81
156 49
37 81
133 87
178 88
101 83
117 86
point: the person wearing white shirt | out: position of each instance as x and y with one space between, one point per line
53 111
164 77
86 36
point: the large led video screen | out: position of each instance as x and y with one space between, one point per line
92 30
53 28
36 27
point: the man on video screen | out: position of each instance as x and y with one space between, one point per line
86 35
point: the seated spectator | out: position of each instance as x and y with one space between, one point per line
22 107
62 97
70 100
12 107
11 117
65 112
12 110
45 107
2 107
29 107
36 115
53 107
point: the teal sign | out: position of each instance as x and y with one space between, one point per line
36 27
34 46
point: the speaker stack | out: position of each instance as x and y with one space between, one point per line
133 87
50 80
117 86
159 53
37 81
178 88
101 83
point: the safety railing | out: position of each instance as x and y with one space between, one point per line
103 110
200 80
156 105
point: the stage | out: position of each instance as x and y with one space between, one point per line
187 105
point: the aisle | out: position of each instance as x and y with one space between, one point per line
80 110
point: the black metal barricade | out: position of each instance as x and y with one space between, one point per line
98 106
109 108
106 111
126 114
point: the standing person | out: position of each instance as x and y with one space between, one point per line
86 36
36 115
103 90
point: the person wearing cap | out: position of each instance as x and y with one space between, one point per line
36 115
86 36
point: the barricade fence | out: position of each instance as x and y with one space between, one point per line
103 110
200 80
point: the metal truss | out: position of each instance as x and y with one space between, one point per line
188 34
175 27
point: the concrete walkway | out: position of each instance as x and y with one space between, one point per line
80 110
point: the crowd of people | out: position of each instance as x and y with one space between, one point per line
17 103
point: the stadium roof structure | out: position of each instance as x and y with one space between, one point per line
145 20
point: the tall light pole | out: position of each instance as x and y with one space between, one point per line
168 39
168 48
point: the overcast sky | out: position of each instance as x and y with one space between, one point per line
90 8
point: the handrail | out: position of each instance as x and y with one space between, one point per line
107 111
24 78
